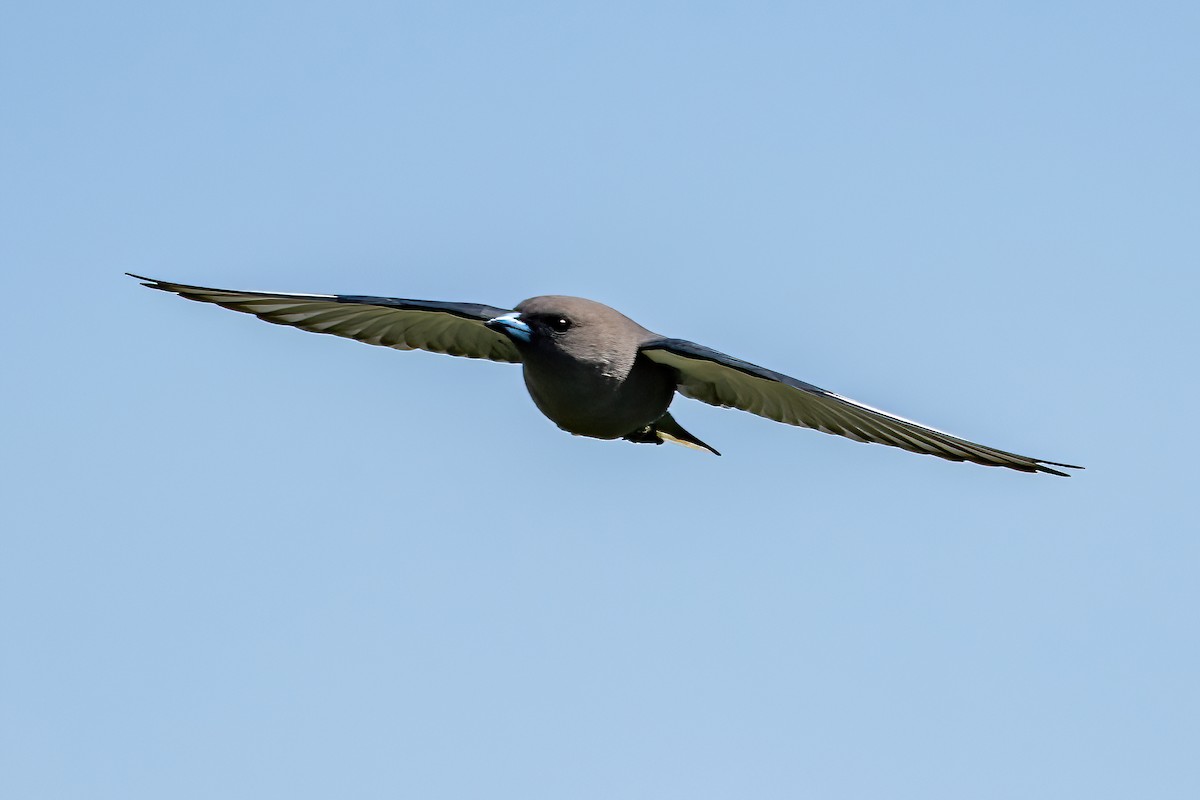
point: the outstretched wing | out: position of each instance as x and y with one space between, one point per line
455 329
721 380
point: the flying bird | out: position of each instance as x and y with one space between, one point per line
595 372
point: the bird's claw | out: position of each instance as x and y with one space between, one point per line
646 435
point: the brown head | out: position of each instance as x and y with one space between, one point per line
587 332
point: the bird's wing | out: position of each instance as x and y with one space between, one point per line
452 328
721 380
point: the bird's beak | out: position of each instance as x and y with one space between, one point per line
511 326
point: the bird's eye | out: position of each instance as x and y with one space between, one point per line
560 324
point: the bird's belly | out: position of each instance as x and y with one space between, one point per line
588 403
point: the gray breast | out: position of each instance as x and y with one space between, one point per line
581 398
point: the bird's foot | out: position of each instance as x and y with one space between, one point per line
666 429
646 435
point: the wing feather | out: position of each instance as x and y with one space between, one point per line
455 329
722 380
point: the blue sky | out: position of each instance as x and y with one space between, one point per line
244 561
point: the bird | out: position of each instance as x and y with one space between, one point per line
595 372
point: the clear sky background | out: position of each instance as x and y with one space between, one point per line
242 561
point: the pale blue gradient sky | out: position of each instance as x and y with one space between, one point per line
241 561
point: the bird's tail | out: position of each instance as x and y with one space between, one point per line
668 430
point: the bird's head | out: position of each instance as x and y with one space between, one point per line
580 329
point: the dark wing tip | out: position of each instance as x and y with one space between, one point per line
150 283
1046 466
